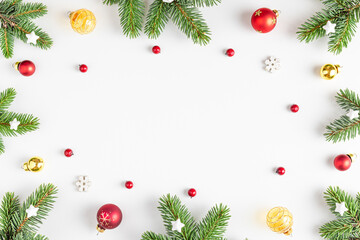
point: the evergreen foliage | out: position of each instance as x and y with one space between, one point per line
346 226
345 128
344 13
15 22
212 226
14 223
28 122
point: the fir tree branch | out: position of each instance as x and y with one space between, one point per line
30 11
9 206
6 98
2 146
348 99
6 42
204 3
154 236
342 129
213 226
28 123
111 2
156 19
131 14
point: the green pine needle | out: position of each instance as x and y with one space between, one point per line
205 3
156 19
131 14
6 98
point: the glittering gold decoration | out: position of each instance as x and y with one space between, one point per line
35 164
329 71
280 220
82 21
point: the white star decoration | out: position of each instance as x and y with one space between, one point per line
177 225
31 211
329 27
14 124
32 38
341 208
353 114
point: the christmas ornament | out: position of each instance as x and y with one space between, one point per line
329 71
230 52
329 27
32 38
109 216
129 184
31 211
83 183
35 164
192 192
280 170
353 114
14 124
26 68
264 20
179 222
340 208
68 152
343 161
25 218
156 49
294 108
280 220
82 21
177 225
16 22
83 68
272 64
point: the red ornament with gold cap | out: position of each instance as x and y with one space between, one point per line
264 20
343 162
108 216
26 68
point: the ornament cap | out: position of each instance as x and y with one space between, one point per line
289 232
16 65
100 229
277 12
352 156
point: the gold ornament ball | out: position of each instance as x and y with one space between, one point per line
280 220
82 21
329 71
35 164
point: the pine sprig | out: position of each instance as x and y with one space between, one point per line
212 227
15 22
9 206
344 128
156 19
6 98
131 14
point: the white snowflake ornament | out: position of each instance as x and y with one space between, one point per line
272 64
31 211
14 124
83 183
168 1
353 114
32 38
329 27
341 208
177 225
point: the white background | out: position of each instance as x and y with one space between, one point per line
188 117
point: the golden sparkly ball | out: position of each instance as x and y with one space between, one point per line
329 71
280 220
82 21
35 164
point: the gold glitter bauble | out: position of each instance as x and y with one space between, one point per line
82 21
35 164
329 71
280 220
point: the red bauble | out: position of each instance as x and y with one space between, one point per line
129 185
294 108
230 52
343 162
192 192
26 68
264 20
156 49
280 170
83 68
109 216
68 152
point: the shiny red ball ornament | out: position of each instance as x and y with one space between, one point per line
26 68
156 49
108 216
343 161
83 68
280 170
294 108
68 152
264 20
230 52
192 192
129 185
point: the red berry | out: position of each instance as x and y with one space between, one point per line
129 184
280 171
192 192
83 68
156 49
294 108
230 52
68 152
